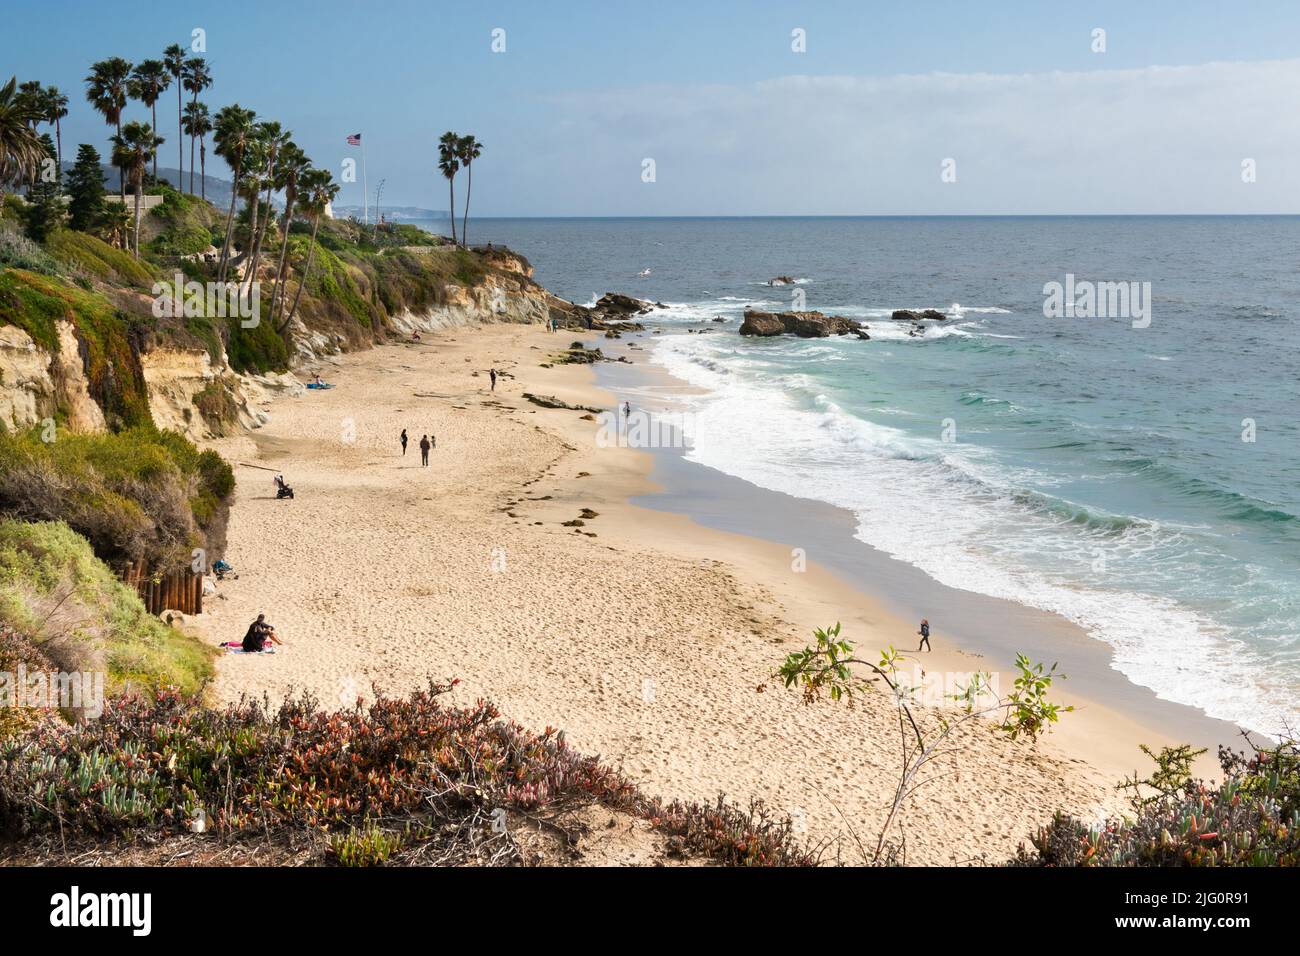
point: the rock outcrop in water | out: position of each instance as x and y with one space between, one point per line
617 305
909 315
806 325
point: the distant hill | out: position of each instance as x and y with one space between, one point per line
217 190
393 213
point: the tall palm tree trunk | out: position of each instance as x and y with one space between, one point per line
260 234
154 110
139 189
250 256
121 173
58 137
230 222
180 140
451 190
469 187
203 168
306 271
284 250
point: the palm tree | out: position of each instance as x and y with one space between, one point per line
31 96
449 163
21 150
468 149
133 149
234 131
198 123
274 141
174 60
116 224
56 108
293 164
148 81
318 191
197 77
106 91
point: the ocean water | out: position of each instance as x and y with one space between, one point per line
1079 465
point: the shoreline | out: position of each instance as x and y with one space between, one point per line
975 625
641 633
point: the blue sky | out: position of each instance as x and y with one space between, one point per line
736 122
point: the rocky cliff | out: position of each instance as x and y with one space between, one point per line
192 383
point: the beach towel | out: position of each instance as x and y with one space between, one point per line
234 647
321 385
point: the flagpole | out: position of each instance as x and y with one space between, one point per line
365 186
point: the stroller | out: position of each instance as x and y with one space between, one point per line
282 490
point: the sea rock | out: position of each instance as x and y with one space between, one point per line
550 401
781 280
909 315
761 324
618 305
807 325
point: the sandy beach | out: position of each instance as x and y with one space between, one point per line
643 634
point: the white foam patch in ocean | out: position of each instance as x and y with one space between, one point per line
954 512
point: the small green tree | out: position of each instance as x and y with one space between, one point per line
44 211
830 667
85 186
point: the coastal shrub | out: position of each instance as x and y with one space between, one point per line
1252 818
71 608
257 349
138 494
181 225
97 258
19 252
368 846
444 778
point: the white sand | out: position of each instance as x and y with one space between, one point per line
644 643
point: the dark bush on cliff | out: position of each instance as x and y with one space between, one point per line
395 777
138 494
1251 819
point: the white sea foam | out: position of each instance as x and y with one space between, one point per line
958 513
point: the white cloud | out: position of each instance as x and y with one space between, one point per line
1159 139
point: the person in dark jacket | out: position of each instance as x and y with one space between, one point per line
403 441
424 450
925 635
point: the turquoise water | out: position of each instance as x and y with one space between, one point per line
1079 465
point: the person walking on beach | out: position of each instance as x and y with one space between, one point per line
424 450
925 636
403 442
492 374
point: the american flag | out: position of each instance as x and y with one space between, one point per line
354 139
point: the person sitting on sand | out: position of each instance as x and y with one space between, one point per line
259 632
319 380
415 336
925 635
255 639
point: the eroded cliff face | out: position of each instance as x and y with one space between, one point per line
35 385
201 397
500 297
